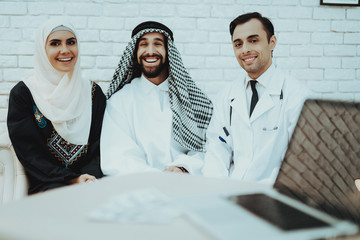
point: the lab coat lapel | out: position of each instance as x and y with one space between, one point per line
264 104
266 101
239 102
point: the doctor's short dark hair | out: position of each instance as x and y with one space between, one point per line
268 26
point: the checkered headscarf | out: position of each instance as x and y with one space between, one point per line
191 108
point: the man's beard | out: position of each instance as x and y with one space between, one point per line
153 72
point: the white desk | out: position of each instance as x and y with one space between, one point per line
62 213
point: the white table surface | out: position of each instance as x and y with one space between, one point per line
63 213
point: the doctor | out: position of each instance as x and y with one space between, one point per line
255 116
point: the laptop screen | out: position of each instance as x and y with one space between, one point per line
323 159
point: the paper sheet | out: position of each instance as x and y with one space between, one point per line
140 206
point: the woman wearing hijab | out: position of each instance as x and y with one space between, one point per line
55 116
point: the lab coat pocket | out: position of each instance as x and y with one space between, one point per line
272 118
226 138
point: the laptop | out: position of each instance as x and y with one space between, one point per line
314 195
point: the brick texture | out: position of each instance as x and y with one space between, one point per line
323 159
318 44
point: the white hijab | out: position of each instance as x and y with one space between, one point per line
65 101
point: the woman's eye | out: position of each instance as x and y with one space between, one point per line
72 42
54 44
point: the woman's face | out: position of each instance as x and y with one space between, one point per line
62 50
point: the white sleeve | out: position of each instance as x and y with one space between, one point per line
298 95
216 161
119 151
192 162
219 148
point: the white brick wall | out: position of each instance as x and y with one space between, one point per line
318 44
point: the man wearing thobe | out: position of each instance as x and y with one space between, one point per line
156 117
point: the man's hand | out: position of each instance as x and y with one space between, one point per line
175 169
84 178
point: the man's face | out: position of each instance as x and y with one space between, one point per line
252 48
151 54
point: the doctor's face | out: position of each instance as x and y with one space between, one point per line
151 54
252 48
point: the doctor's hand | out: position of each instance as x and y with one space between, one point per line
84 178
175 169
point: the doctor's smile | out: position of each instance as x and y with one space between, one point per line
249 60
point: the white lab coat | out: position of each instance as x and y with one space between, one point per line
137 132
254 146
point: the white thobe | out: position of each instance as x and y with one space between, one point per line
137 132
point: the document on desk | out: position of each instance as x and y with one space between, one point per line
139 206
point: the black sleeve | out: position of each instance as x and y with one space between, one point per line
92 165
29 141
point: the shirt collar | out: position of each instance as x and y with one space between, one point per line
148 86
264 78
